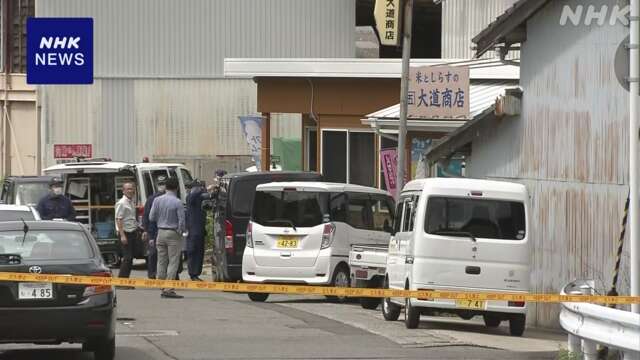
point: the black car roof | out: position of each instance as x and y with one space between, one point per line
40 225
29 179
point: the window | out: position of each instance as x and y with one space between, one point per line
338 207
290 208
492 219
382 208
334 156
149 186
16 215
186 176
312 149
348 157
46 244
360 214
31 193
172 173
409 212
397 221
362 159
242 193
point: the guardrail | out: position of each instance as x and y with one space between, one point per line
590 325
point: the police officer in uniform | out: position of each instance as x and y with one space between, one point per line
55 205
196 222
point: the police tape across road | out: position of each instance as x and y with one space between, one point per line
314 290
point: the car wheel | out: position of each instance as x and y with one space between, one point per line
390 311
491 321
340 279
369 303
105 349
258 297
517 324
411 315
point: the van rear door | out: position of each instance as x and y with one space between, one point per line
474 242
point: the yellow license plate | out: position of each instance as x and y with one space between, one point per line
471 304
287 243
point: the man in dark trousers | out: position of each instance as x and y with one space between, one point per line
151 228
196 224
55 205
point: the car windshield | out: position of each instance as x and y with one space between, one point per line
46 244
16 215
30 193
491 219
290 208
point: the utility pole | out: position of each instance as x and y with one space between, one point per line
404 89
634 140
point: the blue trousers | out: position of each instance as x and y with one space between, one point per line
195 255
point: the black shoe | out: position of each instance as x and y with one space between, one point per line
195 278
171 295
125 288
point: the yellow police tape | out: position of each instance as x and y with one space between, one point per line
316 290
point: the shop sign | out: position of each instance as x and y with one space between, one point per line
437 92
389 160
387 14
71 151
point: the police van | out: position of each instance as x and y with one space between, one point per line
95 185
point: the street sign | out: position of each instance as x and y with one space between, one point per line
438 92
70 151
387 15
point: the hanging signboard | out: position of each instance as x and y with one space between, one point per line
389 162
70 151
252 133
438 92
387 15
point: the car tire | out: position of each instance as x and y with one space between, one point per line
105 349
517 324
491 321
369 303
258 297
411 315
390 311
341 278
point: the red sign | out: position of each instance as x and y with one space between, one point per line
70 151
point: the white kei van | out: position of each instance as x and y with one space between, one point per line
301 232
457 234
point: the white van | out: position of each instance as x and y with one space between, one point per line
301 232
460 235
95 185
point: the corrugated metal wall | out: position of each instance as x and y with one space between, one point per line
570 148
464 19
165 38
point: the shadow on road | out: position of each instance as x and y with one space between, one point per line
52 353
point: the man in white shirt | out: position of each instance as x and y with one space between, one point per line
127 227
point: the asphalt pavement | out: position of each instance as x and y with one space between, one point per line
207 325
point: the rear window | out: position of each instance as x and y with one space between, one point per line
16 215
491 219
287 208
242 193
46 244
30 193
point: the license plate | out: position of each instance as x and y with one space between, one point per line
286 243
35 291
471 304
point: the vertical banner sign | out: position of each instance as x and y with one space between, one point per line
438 92
59 50
389 160
252 132
387 14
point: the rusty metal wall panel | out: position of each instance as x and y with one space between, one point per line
132 38
569 146
464 19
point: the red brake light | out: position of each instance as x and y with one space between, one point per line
98 289
327 235
228 238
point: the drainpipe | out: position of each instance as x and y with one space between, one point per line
634 140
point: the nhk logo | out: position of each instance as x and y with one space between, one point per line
577 14
60 50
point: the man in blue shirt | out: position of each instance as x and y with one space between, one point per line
151 228
55 205
168 212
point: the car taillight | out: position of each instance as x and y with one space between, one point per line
327 235
228 237
250 235
98 289
516 303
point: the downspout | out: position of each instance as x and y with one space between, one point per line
634 139
7 64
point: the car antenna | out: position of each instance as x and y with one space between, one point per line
25 229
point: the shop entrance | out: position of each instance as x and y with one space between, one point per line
348 156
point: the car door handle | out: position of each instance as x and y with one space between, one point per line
472 270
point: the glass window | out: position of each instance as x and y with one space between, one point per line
30 193
14 215
46 244
408 215
242 193
149 185
399 215
334 156
312 150
186 176
290 208
382 208
338 207
492 219
360 214
173 173
362 159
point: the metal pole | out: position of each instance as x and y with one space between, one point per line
634 139
404 89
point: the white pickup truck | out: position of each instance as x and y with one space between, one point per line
367 263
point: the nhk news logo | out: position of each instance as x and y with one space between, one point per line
60 50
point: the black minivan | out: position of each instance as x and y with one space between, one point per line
231 217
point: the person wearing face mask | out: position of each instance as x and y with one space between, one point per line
55 205
151 228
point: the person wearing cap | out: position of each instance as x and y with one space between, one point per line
196 223
151 228
55 205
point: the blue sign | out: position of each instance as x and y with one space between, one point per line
59 50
